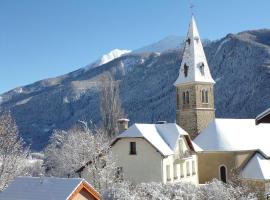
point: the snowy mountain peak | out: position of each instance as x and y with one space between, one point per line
115 53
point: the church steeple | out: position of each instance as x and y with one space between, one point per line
194 86
194 66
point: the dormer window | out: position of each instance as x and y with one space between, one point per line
188 41
185 70
197 39
202 69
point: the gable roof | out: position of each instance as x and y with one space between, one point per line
234 135
162 136
42 188
194 58
257 168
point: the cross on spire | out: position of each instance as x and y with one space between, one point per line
192 8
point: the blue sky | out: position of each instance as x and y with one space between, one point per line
46 38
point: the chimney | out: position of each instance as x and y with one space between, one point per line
122 125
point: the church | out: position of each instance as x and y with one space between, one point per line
198 147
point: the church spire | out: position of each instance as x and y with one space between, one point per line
194 66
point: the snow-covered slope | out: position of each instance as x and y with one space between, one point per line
115 53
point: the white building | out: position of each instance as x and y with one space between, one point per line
156 153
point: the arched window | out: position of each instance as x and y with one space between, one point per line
181 146
193 168
223 173
185 97
204 96
185 70
188 168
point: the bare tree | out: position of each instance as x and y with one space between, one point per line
110 104
12 154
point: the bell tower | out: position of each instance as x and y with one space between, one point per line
194 86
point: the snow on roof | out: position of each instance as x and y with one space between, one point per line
234 135
257 168
162 136
41 188
194 58
196 147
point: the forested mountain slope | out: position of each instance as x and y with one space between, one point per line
240 65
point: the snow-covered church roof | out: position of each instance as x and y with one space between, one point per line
41 188
162 136
234 135
194 66
257 168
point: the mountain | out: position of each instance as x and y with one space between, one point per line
240 65
167 43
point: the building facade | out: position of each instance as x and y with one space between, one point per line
156 153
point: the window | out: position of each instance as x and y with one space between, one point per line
202 69
175 176
182 170
168 173
185 70
132 148
204 96
186 97
181 146
223 173
188 169
193 168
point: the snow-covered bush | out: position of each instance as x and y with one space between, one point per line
217 190
214 190
165 191
119 191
